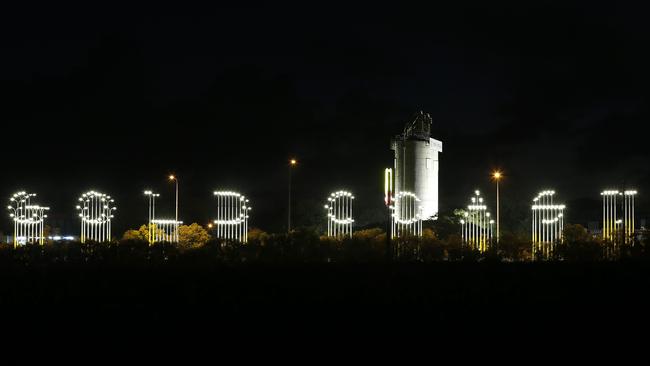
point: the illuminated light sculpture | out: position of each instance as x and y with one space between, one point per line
96 213
160 229
29 219
611 220
406 217
609 213
339 214
232 216
547 224
476 225
628 216
164 230
152 213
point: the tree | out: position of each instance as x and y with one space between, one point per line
192 236
575 233
140 234
515 246
579 245
444 225
258 236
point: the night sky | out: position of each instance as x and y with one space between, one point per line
116 99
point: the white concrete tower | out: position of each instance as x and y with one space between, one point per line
416 163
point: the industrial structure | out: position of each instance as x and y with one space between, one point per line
416 163
96 213
477 224
547 224
28 218
232 216
406 215
339 214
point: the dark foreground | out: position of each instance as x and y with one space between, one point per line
331 297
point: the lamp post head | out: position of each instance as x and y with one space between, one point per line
172 177
497 175
293 162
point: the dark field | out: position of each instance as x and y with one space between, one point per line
324 297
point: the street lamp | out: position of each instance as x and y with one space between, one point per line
174 178
292 164
497 175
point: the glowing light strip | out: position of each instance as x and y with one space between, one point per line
388 185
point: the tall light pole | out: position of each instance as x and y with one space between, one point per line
152 212
292 164
497 177
96 215
28 219
339 214
175 179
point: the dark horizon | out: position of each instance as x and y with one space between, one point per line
554 96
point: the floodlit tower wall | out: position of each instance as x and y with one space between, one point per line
417 163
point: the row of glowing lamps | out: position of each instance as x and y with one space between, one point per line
388 191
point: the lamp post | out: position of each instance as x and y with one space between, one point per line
174 178
292 164
497 177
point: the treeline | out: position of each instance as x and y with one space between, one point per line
307 246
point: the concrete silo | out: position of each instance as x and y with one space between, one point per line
416 163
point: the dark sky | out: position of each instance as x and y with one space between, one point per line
115 99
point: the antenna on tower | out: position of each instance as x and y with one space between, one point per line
419 128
